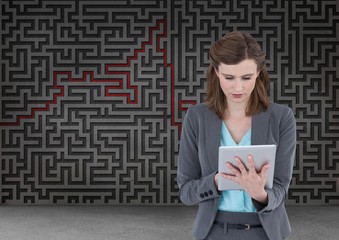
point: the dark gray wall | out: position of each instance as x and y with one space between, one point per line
93 93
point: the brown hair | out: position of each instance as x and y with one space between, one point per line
231 49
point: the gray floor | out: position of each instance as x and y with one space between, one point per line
139 222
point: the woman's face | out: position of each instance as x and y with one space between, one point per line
238 81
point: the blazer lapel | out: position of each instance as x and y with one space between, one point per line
212 126
260 123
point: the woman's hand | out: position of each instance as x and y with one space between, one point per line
252 182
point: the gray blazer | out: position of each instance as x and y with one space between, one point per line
198 164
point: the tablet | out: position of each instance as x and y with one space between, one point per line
262 154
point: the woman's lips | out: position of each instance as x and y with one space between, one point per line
237 95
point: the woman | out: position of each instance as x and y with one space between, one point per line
237 111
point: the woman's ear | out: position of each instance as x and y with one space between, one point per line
216 71
258 72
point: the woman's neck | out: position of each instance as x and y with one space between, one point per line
236 110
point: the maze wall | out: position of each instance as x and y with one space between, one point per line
93 93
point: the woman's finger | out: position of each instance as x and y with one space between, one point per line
264 171
230 177
233 169
251 164
241 166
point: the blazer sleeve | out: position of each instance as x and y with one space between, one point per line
193 187
285 156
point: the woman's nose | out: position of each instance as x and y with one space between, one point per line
238 85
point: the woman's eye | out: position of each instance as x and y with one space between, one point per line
228 78
246 78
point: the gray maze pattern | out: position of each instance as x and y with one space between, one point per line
93 93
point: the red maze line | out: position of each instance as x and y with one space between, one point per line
159 36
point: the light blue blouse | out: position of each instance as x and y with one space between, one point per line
235 200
